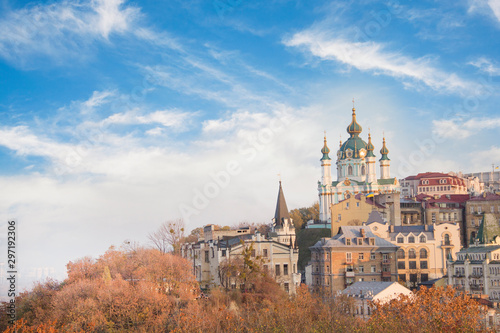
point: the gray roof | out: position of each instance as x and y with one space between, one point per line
281 208
353 232
375 216
479 249
414 229
366 287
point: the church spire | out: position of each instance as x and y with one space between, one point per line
384 151
325 150
354 128
281 208
369 147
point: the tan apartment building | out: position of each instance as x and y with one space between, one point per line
354 254
475 209
423 249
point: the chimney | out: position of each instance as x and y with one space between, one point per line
363 234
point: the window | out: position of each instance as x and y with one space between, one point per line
400 239
401 254
277 270
423 253
339 217
423 265
422 239
264 253
285 269
287 287
363 169
207 258
372 241
411 239
373 269
372 256
360 241
472 209
433 217
412 264
361 269
361 256
402 277
253 253
479 209
347 205
446 239
295 269
412 254
223 253
357 205
424 277
401 265
349 170
348 257
347 241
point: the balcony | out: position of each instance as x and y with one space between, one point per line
447 244
386 274
476 287
349 274
386 262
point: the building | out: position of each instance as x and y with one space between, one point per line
491 180
365 292
354 254
423 249
356 209
277 252
356 171
477 268
437 183
475 208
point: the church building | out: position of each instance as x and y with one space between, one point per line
356 171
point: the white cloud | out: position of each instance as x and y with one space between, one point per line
448 128
487 66
373 57
166 118
495 7
486 7
98 98
61 29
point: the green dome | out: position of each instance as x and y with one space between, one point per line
325 150
354 128
384 151
369 147
355 144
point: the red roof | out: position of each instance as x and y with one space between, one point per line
486 197
454 198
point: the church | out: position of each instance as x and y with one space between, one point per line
356 171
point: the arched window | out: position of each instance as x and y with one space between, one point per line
446 239
363 170
423 253
349 170
401 254
412 254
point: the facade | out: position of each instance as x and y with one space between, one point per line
490 179
437 183
356 171
277 251
477 268
423 249
354 254
475 209
363 293
356 209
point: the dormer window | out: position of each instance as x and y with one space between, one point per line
422 239
360 241
411 239
372 241
347 241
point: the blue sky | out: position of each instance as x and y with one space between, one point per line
116 116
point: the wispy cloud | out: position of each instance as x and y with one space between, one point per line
61 29
374 57
487 66
449 128
486 7
166 118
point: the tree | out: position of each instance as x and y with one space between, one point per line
300 216
437 309
169 235
195 234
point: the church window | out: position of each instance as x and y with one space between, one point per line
363 170
349 170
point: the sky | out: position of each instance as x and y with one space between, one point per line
116 116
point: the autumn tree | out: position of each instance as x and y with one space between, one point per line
300 216
437 309
169 235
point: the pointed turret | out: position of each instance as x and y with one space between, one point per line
385 162
326 165
282 223
325 151
281 208
370 161
369 147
